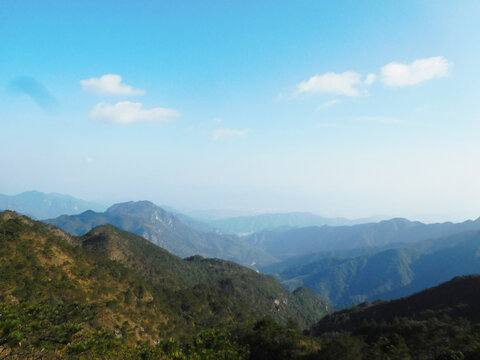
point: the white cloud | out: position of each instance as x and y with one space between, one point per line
223 133
126 112
89 160
110 84
331 83
371 78
218 120
398 74
329 104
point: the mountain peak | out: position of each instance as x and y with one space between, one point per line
133 205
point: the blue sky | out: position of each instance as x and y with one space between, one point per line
250 105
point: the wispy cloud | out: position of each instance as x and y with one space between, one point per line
126 112
331 83
224 133
329 104
34 89
398 74
109 84
370 79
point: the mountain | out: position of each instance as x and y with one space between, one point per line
387 274
111 289
44 206
255 223
438 323
295 261
283 244
167 231
457 298
262 294
111 294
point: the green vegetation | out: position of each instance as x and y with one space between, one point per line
115 292
114 295
438 323
60 332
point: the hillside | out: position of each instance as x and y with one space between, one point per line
119 282
438 323
45 206
387 274
167 231
111 294
107 248
283 244
457 298
262 293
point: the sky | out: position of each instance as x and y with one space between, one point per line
341 108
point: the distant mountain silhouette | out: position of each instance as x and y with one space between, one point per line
44 206
255 223
295 242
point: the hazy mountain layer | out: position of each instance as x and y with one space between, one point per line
296 242
45 206
255 223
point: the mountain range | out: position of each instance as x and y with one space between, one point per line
114 294
168 231
351 264
386 274
285 243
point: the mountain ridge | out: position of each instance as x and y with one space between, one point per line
255 223
283 244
